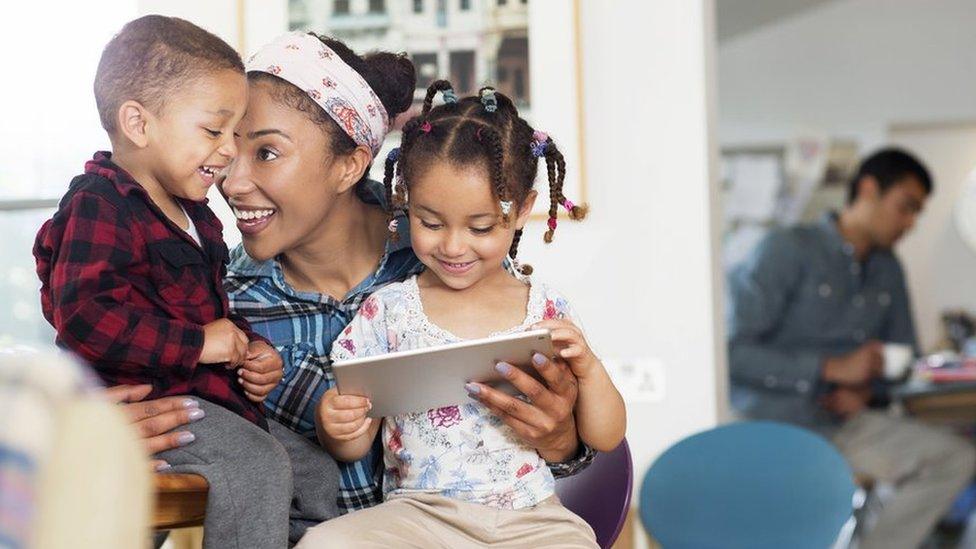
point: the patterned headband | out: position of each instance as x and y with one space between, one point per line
304 61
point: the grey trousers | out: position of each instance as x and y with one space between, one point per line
927 465
315 479
250 480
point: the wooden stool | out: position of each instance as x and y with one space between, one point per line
181 501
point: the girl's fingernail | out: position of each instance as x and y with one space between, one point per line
185 438
190 403
503 368
163 466
240 380
472 389
369 404
240 371
538 359
196 414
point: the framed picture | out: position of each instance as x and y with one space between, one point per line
520 47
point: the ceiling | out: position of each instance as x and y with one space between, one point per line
738 17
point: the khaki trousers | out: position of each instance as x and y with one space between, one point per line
432 520
928 467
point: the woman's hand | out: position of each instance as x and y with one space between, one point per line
546 423
156 420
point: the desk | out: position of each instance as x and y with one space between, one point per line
951 403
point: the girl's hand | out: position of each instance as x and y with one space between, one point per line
343 417
261 372
571 346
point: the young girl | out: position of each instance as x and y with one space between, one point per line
457 476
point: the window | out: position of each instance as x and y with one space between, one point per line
377 6
427 70
519 84
502 2
465 5
418 6
462 70
340 7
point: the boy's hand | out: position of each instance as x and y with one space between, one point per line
261 372
223 342
344 416
571 346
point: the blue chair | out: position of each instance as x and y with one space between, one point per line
753 485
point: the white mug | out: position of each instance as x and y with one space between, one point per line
897 358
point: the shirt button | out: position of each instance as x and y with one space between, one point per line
769 382
825 290
858 301
884 299
803 386
859 335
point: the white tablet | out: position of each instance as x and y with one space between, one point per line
424 379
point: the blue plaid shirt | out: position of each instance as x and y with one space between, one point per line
303 325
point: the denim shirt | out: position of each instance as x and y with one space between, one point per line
802 297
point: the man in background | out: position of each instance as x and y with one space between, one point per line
809 312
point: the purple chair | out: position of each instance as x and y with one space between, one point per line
600 494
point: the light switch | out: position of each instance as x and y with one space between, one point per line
637 379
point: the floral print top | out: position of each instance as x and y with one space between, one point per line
462 451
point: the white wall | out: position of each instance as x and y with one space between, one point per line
850 68
262 19
642 268
855 68
941 265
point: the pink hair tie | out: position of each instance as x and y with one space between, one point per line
552 223
568 204
540 136
426 127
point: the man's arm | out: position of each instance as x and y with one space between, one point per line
759 293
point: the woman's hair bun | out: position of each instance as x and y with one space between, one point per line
393 77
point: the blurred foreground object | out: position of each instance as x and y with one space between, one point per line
72 471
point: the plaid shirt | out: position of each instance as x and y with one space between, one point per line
129 291
303 326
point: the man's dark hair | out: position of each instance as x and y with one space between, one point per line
150 58
889 167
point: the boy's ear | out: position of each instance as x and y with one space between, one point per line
133 121
353 166
526 209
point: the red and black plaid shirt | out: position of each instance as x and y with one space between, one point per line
130 291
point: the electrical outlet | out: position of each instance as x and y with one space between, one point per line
637 379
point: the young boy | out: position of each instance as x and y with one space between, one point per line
132 265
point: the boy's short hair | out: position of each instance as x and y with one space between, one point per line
151 57
889 167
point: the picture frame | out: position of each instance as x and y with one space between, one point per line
555 87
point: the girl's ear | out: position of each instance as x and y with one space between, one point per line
133 122
526 210
352 167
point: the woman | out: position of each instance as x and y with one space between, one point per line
316 243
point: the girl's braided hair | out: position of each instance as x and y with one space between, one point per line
483 129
